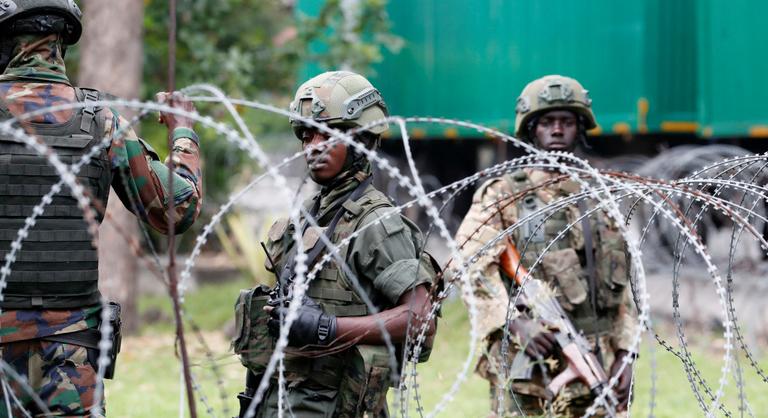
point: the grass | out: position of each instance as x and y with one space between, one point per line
147 382
211 307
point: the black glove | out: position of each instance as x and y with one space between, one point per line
311 327
625 379
534 336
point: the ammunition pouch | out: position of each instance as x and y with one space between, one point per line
252 341
615 276
563 267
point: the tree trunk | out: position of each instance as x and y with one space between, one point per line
111 59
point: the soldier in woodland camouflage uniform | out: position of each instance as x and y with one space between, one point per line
553 113
51 306
386 260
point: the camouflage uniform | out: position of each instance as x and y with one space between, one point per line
386 259
59 373
494 210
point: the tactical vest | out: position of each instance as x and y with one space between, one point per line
563 263
57 266
362 373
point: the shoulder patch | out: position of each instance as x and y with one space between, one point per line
277 230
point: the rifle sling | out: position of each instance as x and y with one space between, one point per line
589 251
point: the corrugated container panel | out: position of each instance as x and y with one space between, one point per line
671 68
310 69
733 36
471 61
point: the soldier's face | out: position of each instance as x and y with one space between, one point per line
557 131
324 161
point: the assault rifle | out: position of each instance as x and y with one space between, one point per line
582 362
282 293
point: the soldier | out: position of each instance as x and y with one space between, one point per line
553 113
51 307
384 264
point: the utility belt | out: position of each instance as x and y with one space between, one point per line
90 338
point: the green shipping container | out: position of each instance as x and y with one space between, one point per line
652 66
470 62
670 68
733 65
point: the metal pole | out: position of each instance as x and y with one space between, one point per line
172 278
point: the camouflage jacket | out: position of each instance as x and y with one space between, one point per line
493 211
35 79
387 260
384 257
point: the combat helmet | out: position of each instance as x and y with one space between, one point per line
340 99
552 92
34 16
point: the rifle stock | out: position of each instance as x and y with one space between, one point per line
582 364
509 262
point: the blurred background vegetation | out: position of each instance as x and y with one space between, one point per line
254 49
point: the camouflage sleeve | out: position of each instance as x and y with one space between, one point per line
140 179
483 223
625 326
387 252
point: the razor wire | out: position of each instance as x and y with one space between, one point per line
604 188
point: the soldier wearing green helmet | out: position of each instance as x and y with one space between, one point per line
337 364
553 95
50 304
587 267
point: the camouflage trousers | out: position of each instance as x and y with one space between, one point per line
57 376
305 400
526 398
521 405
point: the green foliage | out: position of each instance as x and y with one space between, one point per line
210 307
348 34
252 49
227 43
248 47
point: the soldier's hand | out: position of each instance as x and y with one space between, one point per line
622 388
536 339
311 327
178 101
